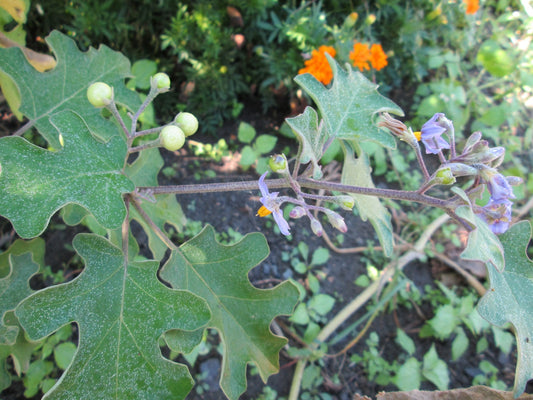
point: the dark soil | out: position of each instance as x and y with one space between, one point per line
236 210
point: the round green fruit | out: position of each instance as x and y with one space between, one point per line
100 94
187 122
172 138
161 80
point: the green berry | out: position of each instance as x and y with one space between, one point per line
100 94
161 80
277 163
187 122
172 138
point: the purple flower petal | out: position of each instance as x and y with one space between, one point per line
431 135
497 214
272 203
499 188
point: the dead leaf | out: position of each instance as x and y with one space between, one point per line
235 16
471 393
15 8
360 397
41 62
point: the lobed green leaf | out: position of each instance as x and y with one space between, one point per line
35 183
509 298
349 106
122 310
65 86
241 313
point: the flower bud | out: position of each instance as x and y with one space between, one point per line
514 180
399 129
370 19
297 212
471 141
100 94
346 202
351 19
460 169
444 176
278 163
336 221
316 227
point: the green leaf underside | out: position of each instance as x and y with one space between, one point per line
65 87
483 244
349 105
312 138
241 313
357 172
121 313
13 289
510 299
35 183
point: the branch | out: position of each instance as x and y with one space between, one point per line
304 183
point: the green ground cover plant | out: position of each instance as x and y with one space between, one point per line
90 147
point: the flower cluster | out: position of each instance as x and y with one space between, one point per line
479 161
363 54
318 65
272 203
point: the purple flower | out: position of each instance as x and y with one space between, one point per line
431 134
497 214
499 187
271 205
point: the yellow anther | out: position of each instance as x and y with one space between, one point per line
263 211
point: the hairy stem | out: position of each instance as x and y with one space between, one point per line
112 107
160 234
304 183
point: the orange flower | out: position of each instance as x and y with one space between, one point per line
318 65
360 55
471 6
378 58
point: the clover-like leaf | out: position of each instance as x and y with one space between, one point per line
14 288
312 136
241 313
65 87
483 244
357 172
35 183
349 106
121 311
509 298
